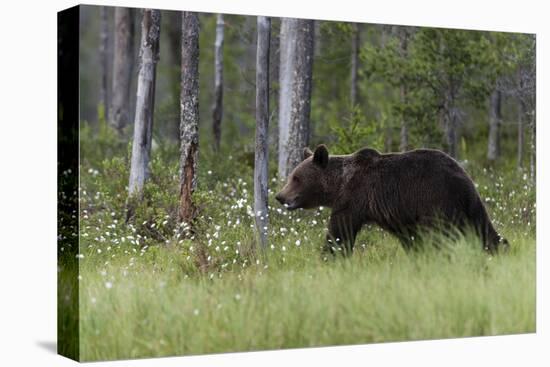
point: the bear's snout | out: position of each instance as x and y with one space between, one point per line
279 198
289 203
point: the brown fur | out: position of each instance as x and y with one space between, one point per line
401 192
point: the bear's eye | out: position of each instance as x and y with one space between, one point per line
295 179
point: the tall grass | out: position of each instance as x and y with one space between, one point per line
148 289
378 295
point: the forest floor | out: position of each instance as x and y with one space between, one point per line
147 290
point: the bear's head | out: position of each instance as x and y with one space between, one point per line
306 185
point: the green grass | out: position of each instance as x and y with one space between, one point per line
380 294
147 290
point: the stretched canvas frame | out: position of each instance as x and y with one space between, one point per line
72 292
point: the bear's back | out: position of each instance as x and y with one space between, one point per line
420 162
412 183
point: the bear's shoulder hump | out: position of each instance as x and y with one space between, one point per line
367 153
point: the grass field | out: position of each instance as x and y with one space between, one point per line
147 290
147 308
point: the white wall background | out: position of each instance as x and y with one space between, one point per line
28 181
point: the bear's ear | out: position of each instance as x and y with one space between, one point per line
307 153
320 157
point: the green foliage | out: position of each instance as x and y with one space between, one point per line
356 133
100 140
330 94
431 71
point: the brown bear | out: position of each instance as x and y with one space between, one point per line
403 193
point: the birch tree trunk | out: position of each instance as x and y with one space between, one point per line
274 69
355 41
287 52
300 95
145 101
123 65
262 128
495 120
189 121
104 60
173 31
217 108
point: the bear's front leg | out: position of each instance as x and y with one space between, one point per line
342 230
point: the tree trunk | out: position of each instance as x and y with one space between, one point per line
173 31
217 108
450 114
189 122
104 60
355 42
262 128
274 69
287 52
451 122
300 103
123 64
521 133
145 101
495 120
452 140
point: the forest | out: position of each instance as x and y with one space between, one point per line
191 122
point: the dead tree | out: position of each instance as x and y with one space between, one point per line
299 129
123 65
104 61
189 118
287 51
173 33
262 128
145 101
296 138
217 108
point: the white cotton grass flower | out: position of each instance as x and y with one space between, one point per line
108 285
